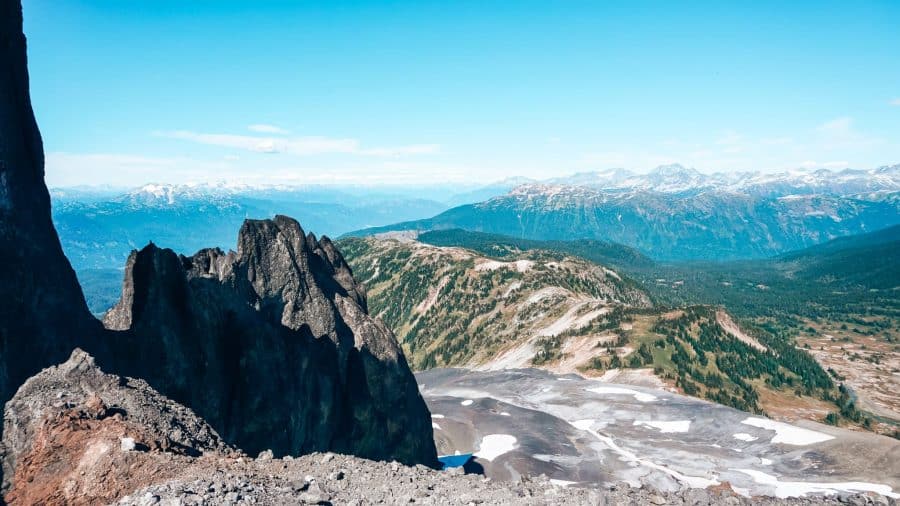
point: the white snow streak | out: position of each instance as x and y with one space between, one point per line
640 396
788 434
801 488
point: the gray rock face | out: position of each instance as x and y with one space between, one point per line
43 314
273 346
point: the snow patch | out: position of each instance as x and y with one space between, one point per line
467 402
788 434
582 424
784 489
640 396
494 445
743 436
435 426
437 416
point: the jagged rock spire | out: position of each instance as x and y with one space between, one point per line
279 340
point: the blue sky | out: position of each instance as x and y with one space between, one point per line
410 92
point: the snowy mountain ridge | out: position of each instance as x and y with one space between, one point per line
676 179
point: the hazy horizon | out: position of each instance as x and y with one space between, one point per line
460 185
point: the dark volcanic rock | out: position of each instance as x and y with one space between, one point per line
273 346
43 315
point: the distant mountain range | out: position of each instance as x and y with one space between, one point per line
675 179
675 213
670 213
99 227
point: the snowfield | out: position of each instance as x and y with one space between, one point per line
788 434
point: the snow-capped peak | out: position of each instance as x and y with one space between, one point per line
676 179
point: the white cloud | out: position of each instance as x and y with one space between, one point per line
837 127
298 146
811 164
730 138
413 149
267 129
672 142
731 142
841 133
777 141
895 102
116 169
636 160
124 170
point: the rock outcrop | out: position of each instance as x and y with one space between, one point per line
273 346
43 315
73 434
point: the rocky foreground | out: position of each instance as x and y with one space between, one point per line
76 435
329 478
